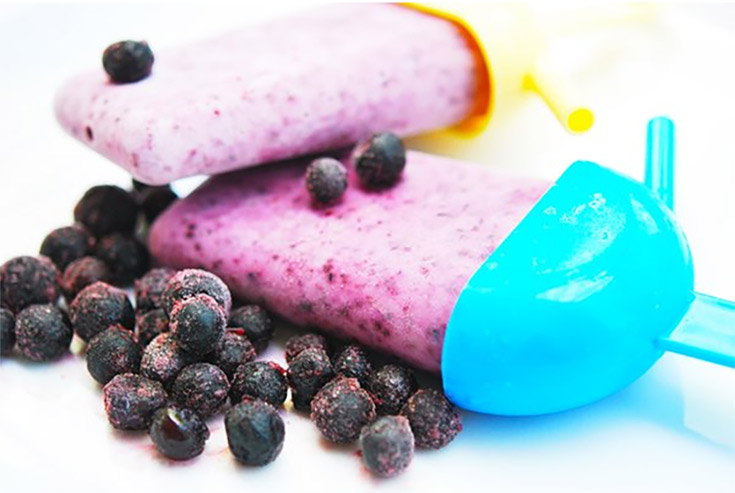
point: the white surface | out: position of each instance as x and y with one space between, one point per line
673 430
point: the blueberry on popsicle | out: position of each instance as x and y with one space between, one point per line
380 160
326 180
128 61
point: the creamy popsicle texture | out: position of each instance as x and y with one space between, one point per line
316 81
382 267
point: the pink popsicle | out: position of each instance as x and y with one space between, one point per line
316 81
384 268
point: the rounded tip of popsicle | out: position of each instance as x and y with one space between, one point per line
580 120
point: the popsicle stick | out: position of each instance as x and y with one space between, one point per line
556 93
706 332
660 159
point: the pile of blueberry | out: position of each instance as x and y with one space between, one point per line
182 353
383 408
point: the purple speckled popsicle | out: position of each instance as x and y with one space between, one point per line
316 81
384 268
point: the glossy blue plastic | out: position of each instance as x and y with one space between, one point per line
579 301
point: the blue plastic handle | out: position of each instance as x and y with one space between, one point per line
581 299
660 159
707 331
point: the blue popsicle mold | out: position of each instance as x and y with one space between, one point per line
580 300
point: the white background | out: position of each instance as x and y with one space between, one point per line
673 430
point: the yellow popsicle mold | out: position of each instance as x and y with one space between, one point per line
507 45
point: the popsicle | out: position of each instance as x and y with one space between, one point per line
319 80
384 268
529 298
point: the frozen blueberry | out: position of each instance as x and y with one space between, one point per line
113 352
256 325
67 244
149 288
128 61
379 162
264 380
178 433
296 344
126 257
27 281
99 306
154 200
387 445
326 180
341 408
308 372
7 332
81 273
190 282
107 209
163 359
42 333
434 420
201 387
232 351
255 432
353 362
130 401
150 324
139 186
197 324
390 387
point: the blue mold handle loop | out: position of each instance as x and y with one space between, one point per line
580 300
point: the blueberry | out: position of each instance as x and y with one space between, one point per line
130 401
42 333
125 256
434 420
154 200
296 344
97 307
106 209
149 289
67 244
163 359
232 351
190 282
326 180
128 61
7 332
139 186
81 273
340 410
178 433
201 387
387 446
264 380
113 352
353 362
391 386
255 323
27 281
197 324
308 372
149 325
379 161
255 432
